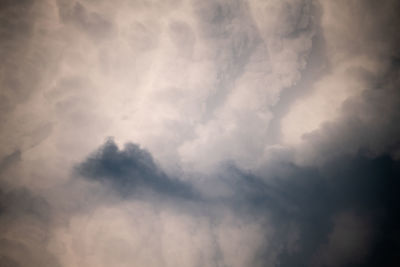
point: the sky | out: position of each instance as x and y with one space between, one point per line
221 133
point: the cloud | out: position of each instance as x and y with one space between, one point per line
344 112
340 213
269 127
359 187
25 221
130 169
365 122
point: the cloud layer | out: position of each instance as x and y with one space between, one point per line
244 133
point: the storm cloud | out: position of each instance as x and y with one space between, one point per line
199 133
343 213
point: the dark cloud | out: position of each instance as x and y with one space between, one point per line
344 212
342 209
130 170
304 204
367 122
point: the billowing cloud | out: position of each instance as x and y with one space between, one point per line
244 133
353 221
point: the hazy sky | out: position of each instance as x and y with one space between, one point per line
221 133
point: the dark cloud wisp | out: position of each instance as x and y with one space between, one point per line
129 170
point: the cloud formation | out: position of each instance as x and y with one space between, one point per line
247 133
131 169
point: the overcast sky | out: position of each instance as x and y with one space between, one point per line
221 133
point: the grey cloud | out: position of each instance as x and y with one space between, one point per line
303 203
254 62
312 210
130 170
366 120
341 209
366 123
